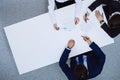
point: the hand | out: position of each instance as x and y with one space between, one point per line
87 39
85 17
99 16
77 20
71 44
56 27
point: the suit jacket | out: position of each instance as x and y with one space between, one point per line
95 62
111 32
111 7
60 5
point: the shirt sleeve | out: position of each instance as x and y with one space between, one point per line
95 4
78 8
51 7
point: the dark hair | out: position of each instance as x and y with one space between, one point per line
80 72
114 21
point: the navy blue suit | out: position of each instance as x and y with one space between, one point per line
95 62
111 7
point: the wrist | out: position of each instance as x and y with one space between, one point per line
101 21
89 42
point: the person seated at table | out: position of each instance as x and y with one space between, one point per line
84 66
60 4
112 12
113 29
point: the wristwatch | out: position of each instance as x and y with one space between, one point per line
102 21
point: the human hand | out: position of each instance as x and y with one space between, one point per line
99 16
77 20
87 39
71 44
85 17
56 27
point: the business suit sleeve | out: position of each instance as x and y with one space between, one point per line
95 4
100 58
110 32
63 65
96 49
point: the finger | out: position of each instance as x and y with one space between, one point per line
96 11
75 22
83 38
57 28
86 20
102 14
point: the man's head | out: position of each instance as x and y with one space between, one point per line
80 72
114 21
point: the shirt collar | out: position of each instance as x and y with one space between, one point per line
115 13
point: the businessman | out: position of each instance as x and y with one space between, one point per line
84 66
112 12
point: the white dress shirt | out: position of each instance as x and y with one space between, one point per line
84 61
51 8
115 13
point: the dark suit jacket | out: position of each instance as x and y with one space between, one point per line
111 7
95 62
60 5
111 32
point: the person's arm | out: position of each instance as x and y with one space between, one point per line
64 57
100 55
63 60
96 49
100 59
91 8
95 4
93 46
111 33
63 63
78 8
51 8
